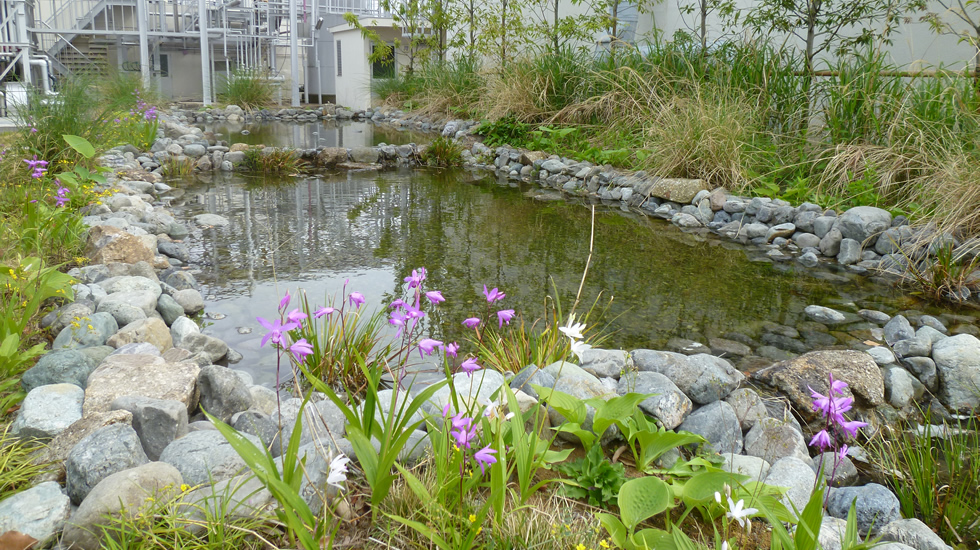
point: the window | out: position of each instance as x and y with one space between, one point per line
340 61
385 66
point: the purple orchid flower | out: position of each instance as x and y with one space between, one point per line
484 457
472 322
504 316
276 330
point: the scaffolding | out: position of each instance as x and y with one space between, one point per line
41 40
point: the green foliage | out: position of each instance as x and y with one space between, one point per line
504 131
118 90
444 152
17 463
271 160
593 478
247 88
42 121
177 167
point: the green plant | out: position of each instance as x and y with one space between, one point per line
593 478
177 167
18 466
247 88
504 131
444 151
43 121
120 90
271 160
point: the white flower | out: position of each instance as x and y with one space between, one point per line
573 330
338 471
737 513
724 544
717 497
508 416
491 410
579 347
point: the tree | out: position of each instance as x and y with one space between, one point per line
557 29
827 25
968 13
704 8
423 30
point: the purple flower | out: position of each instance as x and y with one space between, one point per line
445 410
416 278
301 348
398 303
323 311
484 457
276 330
464 434
284 303
62 199
296 316
428 345
414 312
470 366
434 296
472 322
493 295
504 316
33 130
398 319
852 427
821 440
356 299
460 420
451 349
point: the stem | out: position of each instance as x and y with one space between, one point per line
588 261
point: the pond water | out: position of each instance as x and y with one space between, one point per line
310 135
370 229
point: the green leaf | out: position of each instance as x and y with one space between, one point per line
571 408
808 528
613 411
653 539
703 486
615 528
81 145
643 498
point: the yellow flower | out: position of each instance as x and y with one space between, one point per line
184 487
580 546
472 518
480 530
603 543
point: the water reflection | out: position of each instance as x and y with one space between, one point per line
310 135
371 229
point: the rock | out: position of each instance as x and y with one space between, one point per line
106 244
677 190
264 399
784 230
898 328
756 468
95 332
704 378
913 347
723 347
59 367
321 420
899 389
39 512
863 222
925 369
105 451
181 329
930 335
830 243
572 380
825 315
78 310
56 452
152 331
958 364
195 150
261 426
718 424
179 280
157 422
126 490
142 375
796 377
875 506
603 362
668 404
205 457
204 349
48 410
223 393
875 316
529 375
365 155
882 355
914 533
850 252
210 220
170 310
748 407
772 439
837 471
240 497
832 532
190 300
328 157
797 476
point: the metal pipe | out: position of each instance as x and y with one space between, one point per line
293 55
45 83
24 39
202 23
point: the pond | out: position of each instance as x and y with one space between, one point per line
309 135
369 229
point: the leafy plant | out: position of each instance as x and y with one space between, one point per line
593 478
247 88
505 131
445 152
18 466
271 160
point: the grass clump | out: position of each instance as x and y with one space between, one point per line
271 160
17 463
444 152
177 167
246 88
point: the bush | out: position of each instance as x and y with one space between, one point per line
246 88
444 151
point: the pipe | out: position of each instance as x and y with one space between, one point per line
43 64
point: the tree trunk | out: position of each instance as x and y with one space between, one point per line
503 34
704 26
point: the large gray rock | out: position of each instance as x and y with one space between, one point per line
958 364
125 490
204 349
182 328
142 375
718 424
668 404
529 375
365 155
795 475
120 303
898 328
223 393
205 457
169 309
756 468
574 381
240 497
65 366
131 283
825 315
261 426
157 421
48 410
604 362
913 347
899 387
850 252
772 439
837 471
702 377
95 332
60 318
748 407
152 331
190 299
321 420
914 533
39 512
863 222
100 454
677 190
875 506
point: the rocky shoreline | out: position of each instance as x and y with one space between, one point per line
119 396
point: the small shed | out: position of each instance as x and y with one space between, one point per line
354 69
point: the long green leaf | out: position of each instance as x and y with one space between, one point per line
573 409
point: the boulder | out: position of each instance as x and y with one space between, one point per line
142 375
127 491
152 331
795 475
107 244
863 222
65 366
205 457
223 393
604 362
718 424
668 404
702 377
39 512
748 406
914 533
90 332
100 454
56 452
328 157
957 361
676 190
875 506
157 422
48 410
772 439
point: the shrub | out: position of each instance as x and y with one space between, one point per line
246 88
444 151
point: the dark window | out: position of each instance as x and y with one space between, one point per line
384 67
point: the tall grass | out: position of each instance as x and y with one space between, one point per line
246 88
118 90
76 110
17 466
